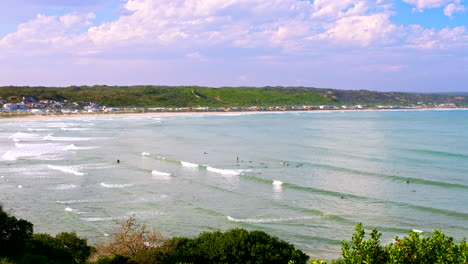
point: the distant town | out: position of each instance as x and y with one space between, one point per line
31 105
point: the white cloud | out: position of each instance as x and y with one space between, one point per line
450 6
363 30
44 34
279 26
431 39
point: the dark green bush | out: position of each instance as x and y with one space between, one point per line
234 246
65 247
14 234
18 243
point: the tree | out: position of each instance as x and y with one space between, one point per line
130 240
14 234
235 246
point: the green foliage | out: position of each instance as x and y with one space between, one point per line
363 251
114 259
18 242
14 234
411 249
65 247
234 246
194 96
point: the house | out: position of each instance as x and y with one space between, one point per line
14 107
29 99
9 107
12 98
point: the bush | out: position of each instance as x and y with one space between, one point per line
411 249
18 242
234 246
132 239
14 234
65 247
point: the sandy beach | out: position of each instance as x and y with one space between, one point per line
81 115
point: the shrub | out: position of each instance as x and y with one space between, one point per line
65 247
234 246
132 239
14 234
437 248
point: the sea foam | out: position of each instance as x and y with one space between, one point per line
24 136
50 137
49 151
188 164
108 185
65 187
159 173
277 183
223 172
66 169
268 220
74 129
74 147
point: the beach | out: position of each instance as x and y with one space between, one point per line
226 113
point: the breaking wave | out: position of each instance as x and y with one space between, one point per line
66 169
108 185
223 172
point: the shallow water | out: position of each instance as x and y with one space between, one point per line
180 174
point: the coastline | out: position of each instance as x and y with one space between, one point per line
28 117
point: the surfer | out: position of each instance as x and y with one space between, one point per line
118 161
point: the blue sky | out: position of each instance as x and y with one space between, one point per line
384 45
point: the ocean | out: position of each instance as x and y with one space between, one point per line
306 177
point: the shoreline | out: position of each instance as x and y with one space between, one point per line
28 117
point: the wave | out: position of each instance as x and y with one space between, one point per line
277 183
108 185
223 172
49 151
66 169
21 135
76 211
52 138
100 219
438 153
270 220
65 187
38 129
188 164
74 129
357 197
74 147
390 177
77 201
155 172
145 153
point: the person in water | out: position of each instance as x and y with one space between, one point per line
118 161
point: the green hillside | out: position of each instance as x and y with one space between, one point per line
194 96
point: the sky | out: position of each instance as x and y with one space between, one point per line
381 45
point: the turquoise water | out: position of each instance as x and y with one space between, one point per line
180 174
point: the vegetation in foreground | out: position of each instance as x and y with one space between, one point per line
136 244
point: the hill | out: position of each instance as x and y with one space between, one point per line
195 96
